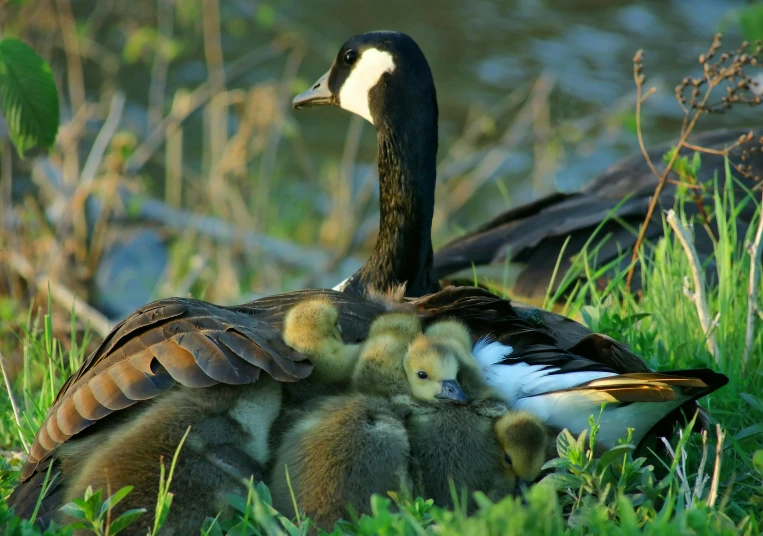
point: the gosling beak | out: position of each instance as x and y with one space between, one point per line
318 95
452 391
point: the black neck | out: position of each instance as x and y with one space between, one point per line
407 175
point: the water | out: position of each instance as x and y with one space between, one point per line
482 50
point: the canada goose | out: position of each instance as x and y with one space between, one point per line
339 454
452 442
457 337
312 328
384 77
380 367
526 444
431 368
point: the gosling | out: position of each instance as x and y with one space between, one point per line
526 444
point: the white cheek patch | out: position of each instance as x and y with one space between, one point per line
369 68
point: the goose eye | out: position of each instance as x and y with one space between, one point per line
422 375
507 458
350 57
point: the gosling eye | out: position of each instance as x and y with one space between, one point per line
507 458
350 57
422 375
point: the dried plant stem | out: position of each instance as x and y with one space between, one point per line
101 143
199 96
686 129
73 58
59 293
752 290
698 295
713 495
16 413
656 196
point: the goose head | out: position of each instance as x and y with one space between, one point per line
384 77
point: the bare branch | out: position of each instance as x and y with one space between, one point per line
59 293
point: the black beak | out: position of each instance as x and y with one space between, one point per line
318 95
452 391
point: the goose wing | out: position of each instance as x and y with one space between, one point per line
564 389
185 341
532 236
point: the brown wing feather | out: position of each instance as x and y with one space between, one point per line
657 386
189 342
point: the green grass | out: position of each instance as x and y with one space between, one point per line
700 490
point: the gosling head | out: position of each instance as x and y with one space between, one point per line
523 440
453 331
404 326
431 369
310 320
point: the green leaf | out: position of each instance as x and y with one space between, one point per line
556 463
613 455
757 461
112 501
264 493
28 96
73 510
562 481
564 442
696 163
126 519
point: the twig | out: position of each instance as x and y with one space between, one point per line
59 293
16 414
638 77
102 140
698 296
752 291
73 59
713 495
277 249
